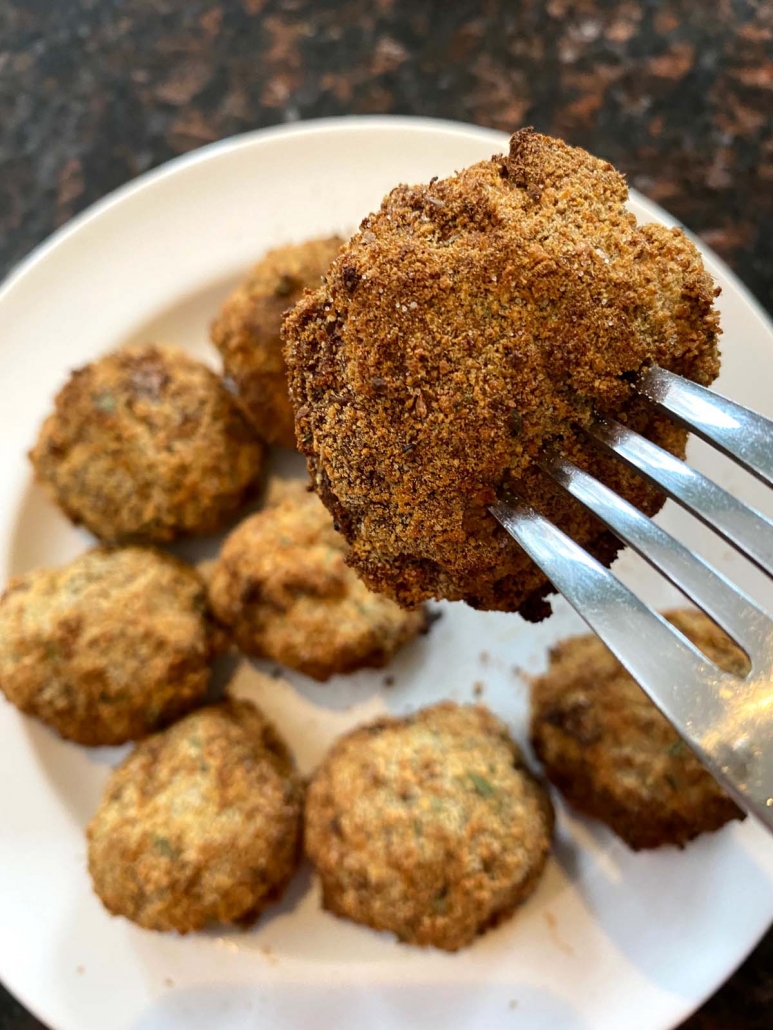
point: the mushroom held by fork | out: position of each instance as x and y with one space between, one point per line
470 325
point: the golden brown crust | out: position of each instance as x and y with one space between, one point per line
469 324
146 444
108 648
246 332
611 753
281 584
429 826
199 824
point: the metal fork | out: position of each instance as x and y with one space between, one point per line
727 720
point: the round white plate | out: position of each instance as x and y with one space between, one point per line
610 939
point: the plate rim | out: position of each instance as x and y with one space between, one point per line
313 126
320 126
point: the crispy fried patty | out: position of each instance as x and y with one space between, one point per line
246 332
428 826
199 824
469 324
108 648
282 586
146 444
611 753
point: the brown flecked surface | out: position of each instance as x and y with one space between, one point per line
200 824
472 324
430 826
611 753
92 94
109 648
283 588
145 445
246 332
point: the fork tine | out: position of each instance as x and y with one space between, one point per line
609 607
722 717
744 527
728 606
742 434
613 612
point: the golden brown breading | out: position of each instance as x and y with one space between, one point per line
146 444
246 332
429 826
110 647
611 753
200 824
282 586
468 325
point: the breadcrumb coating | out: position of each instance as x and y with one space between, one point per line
200 824
108 648
470 324
145 445
282 586
246 332
429 826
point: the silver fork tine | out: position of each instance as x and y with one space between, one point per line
744 435
735 612
607 605
744 527
723 717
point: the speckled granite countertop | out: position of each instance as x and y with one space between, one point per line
678 94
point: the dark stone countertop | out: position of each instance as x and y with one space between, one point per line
677 93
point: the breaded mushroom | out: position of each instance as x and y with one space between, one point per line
110 647
429 826
145 445
470 324
612 754
200 824
246 332
282 586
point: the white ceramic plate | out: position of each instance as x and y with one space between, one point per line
610 939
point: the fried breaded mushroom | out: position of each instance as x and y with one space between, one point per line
428 826
246 332
467 326
200 824
146 444
612 754
282 586
110 647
